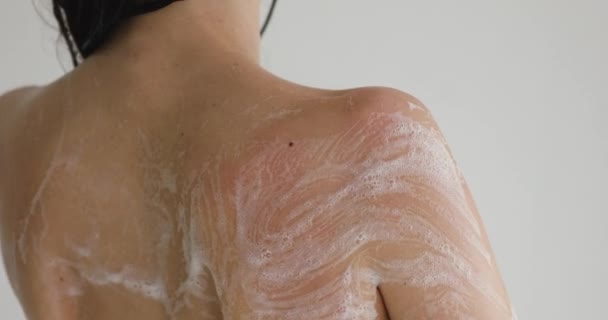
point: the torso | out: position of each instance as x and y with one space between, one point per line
236 199
173 207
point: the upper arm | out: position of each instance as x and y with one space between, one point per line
10 103
434 260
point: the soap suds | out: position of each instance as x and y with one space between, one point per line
302 233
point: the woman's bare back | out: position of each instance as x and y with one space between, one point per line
232 202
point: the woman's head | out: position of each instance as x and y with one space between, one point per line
87 24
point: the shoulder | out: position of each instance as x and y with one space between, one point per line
13 105
401 169
370 112
10 102
375 99
394 125
386 109
390 125
15 96
13 101
368 124
326 112
385 92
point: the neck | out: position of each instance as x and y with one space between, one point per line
215 32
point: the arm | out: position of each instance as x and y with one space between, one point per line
435 261
7 102
13 105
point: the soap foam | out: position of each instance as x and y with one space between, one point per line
298 234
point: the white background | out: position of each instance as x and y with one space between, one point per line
519 87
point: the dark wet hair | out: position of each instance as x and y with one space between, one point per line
86 24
